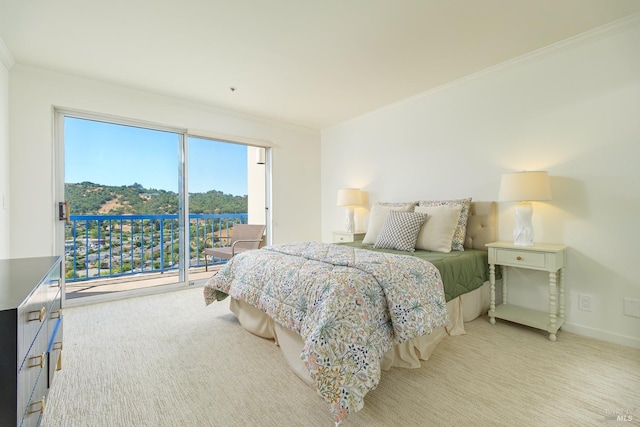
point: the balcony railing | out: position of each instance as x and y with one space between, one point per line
99 246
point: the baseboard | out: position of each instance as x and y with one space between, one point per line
599 334
115 296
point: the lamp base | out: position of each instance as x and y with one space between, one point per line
523 231
349 223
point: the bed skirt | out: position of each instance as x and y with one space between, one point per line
462 309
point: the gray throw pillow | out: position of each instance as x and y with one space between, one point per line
400 231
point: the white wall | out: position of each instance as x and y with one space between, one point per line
257 189
6 62
34 93
572 110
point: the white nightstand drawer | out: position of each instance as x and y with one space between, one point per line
346 237
520 258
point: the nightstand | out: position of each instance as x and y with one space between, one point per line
347 236
550 258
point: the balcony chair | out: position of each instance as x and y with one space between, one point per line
244 237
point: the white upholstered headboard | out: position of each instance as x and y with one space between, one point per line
481 225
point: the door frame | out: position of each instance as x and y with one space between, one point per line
60 113
58 191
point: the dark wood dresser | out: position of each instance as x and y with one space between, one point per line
31 291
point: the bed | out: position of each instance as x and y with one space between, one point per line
458 292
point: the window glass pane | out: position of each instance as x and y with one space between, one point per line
122 185
218 196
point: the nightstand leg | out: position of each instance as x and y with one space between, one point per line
553 306
492 303
504 284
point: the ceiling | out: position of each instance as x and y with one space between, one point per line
310 63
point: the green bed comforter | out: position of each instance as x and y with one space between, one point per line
461 271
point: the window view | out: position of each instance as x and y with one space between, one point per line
122 184
218 196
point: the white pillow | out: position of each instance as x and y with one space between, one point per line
376 220
437 231
459 235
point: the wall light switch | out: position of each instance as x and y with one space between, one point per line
631 307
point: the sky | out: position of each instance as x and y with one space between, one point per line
119 155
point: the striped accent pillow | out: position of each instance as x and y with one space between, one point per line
400 231
460 233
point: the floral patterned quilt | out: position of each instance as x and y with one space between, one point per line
349 306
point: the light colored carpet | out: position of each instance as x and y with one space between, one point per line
167 360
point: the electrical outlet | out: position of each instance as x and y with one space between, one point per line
631 307
584 302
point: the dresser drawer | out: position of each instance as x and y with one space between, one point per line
53 287
31 292
54 351
35 408
516 258
33 381
31 319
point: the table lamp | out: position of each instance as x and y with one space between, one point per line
524 187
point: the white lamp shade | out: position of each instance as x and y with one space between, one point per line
525 186
349 197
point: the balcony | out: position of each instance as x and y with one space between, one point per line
105 249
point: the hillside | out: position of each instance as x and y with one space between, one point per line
90 198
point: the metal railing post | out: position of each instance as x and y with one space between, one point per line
198 231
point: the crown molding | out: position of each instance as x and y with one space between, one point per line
570 43
5 55
620 25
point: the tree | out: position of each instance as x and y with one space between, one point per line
90 198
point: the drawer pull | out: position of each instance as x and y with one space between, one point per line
56 314
58 346
40 313
519 258
37 364
39 407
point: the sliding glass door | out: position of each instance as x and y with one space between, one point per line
143 202
123 186
226 184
